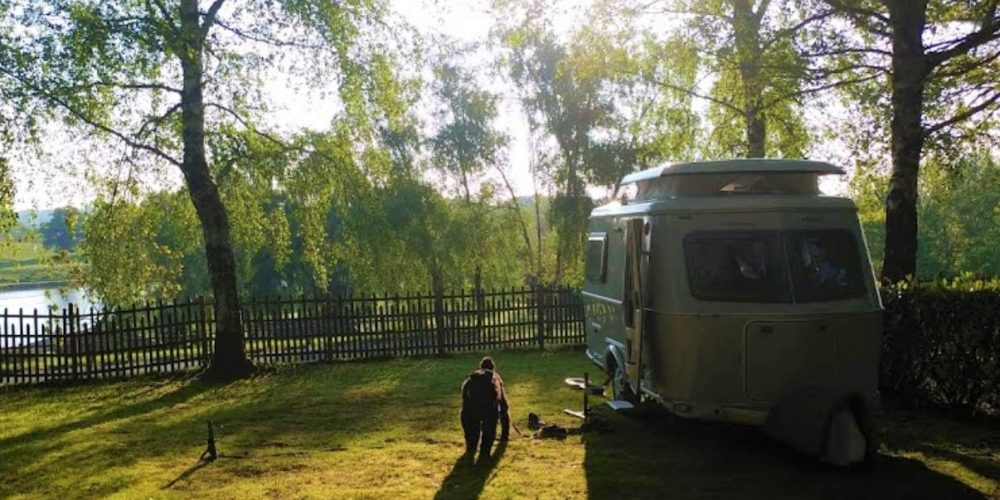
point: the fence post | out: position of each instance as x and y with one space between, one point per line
203 330
540 304
327 325
71 340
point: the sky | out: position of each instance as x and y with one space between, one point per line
42 181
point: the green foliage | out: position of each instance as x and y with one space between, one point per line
63 230
467 142
959 220
81 61
942 346
8 218
748 61
148 250
561 91
648 120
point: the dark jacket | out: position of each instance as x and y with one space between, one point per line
483 392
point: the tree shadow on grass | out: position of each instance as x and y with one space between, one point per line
188 390
184 475
655 455
467 479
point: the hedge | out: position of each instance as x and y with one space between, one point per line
941 347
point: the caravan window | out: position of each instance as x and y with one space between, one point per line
736 266
824 265
771 266
596 264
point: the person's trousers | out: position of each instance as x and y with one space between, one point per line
476 426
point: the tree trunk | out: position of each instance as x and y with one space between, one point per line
746 30
909 74
515 205
538 235
755 132
229 358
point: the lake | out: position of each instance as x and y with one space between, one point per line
38 299
42 299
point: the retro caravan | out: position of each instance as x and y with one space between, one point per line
735 290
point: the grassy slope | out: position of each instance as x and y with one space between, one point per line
391 429
25 262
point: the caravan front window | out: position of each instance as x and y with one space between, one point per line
824 265
736 266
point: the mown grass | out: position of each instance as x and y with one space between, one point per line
390 429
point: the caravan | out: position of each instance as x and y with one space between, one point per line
721 288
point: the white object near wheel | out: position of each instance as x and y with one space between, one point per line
845 444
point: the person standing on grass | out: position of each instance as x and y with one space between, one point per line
483 403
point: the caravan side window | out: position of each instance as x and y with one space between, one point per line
736 266
597 259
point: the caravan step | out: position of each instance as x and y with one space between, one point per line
620 405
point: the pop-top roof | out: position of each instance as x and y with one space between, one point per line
745 165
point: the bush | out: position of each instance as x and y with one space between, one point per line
941 347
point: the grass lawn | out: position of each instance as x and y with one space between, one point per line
390 429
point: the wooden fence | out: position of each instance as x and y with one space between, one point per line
71 345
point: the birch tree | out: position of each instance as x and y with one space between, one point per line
159 77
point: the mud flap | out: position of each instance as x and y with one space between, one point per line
827 424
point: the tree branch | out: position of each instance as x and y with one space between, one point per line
846 50
665 10
266 40
515 206
820 88
243 121
210 18
124 138
158 120
857 10
159 6
692 93
965 68
780 34
963 115
761 10
62 103
990 31
130 86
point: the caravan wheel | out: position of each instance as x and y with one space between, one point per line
620 386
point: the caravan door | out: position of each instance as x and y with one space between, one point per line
634 303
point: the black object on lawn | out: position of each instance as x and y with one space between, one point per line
210 452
